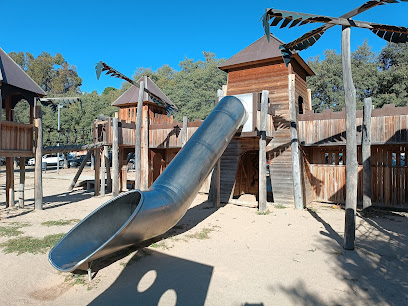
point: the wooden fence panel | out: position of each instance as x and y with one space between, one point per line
389 178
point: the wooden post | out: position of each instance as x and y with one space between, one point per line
218 184
144 157
97 171
38 191
184 132
10 182
351 142
296 169
262 152
108 174
103 163
1 111
81 167
366 152
22 181
115 157
309 98
138 143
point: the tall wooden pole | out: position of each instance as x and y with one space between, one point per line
262 152
97 171
184 132
144 155
115 157
103 164
351 142
296 169
138 142
1 111
10 182
22 180
38 191
366 152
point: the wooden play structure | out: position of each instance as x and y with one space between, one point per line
16 139
320 171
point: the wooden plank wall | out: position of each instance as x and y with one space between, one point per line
389 173
16 136
388 125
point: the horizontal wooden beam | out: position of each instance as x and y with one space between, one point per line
72 148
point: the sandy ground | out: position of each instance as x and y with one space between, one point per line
229 256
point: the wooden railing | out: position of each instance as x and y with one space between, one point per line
16 136
389 125
389 184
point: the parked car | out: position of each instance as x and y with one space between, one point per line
52 159
31 162
76 162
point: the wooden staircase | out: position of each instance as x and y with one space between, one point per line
280 169
229 168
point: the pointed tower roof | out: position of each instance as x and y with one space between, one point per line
131 95
12 74
260 51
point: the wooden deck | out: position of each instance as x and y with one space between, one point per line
389 125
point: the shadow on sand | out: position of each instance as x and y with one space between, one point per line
375 272
156 277
171 278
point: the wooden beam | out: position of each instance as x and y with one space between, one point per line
184 132
81 167
1 112
336 21
97 172
22 181
10 182
366 152
138 131
218 184
103 171
115 157
296 169
348 15
309 98
71 148
351 142
144 153
38 191
262 152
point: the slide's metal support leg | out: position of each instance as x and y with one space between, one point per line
90 271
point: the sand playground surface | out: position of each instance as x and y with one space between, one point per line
229 256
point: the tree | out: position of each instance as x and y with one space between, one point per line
52 73
393 80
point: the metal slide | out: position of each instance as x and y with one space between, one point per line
135 216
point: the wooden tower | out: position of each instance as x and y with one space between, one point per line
260 67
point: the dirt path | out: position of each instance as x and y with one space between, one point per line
230 256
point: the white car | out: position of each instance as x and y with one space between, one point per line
52 159
31 162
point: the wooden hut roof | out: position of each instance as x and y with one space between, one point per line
12 74
259 51
131 95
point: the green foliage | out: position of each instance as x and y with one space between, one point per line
59 222
54 75
383 77
12 229
194 88
27 244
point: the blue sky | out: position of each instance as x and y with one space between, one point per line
132 34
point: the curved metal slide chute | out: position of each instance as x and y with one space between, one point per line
136 216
